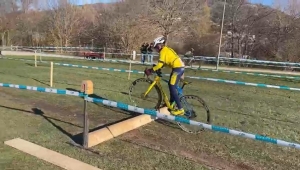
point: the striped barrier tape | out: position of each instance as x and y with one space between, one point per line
246 83
147 63
156 114
192 77
206 69
248 73
221 61
43 89
252 64
248 60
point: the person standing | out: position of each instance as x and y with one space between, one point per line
143 52
150 51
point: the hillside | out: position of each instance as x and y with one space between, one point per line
249 29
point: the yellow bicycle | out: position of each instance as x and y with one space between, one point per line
154 97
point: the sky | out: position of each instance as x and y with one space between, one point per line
81 2
265 2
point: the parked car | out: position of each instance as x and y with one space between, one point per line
91 55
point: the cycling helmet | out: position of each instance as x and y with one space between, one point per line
159 40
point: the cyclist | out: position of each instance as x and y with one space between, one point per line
167 56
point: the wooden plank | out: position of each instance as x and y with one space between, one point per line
45 154
120 128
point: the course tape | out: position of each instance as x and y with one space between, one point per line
43 89
248 61
203 69
156 114
206 69
192 77
249 73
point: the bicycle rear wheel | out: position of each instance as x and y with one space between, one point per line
198 112
136 94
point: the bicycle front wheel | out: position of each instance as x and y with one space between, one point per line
137 90
195 109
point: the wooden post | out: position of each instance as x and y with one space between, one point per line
129 69
87 88
130 61
40 51
85 126
51 74
35 58
104 54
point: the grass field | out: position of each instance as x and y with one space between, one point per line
52 121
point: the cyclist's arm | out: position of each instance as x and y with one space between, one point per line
159 65
161 61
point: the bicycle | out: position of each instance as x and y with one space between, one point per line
162 97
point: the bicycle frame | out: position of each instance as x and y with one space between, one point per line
164 95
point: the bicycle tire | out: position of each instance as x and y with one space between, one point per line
149 81
208 117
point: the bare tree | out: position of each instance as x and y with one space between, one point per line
124 25
172 15
64 21
8 9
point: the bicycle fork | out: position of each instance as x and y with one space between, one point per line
149 88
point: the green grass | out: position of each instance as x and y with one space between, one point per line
263 111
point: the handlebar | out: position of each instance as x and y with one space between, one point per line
158 72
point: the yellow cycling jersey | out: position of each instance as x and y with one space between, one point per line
167 56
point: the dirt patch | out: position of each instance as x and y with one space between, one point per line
210 161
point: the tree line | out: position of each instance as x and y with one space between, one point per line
255 30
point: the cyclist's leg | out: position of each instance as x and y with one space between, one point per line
173 83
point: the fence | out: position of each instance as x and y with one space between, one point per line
208 60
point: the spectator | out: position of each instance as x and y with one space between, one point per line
150 55
190 56
143 52
146 50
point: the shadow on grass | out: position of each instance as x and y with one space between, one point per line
40 81
78 138
33 112
51 120
39 112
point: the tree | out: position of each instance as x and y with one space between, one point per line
172 15
8 11
63 21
